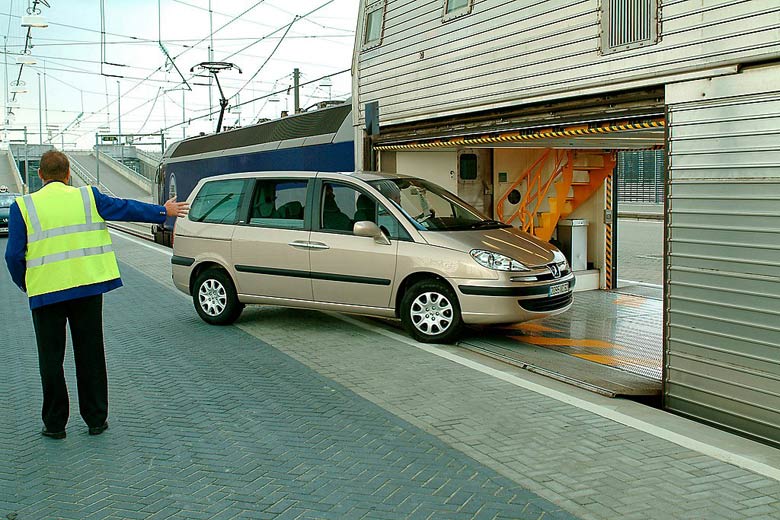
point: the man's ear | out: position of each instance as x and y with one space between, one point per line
39 174
67 177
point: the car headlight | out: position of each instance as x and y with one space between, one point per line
560 258
496 261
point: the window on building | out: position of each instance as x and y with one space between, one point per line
468 166
628 24
456 8
375 15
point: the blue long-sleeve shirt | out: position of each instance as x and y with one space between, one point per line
109 208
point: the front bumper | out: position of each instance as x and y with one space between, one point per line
487 302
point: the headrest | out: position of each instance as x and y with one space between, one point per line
364 203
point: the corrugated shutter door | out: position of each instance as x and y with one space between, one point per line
722 349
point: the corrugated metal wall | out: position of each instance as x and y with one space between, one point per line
722 348
507 52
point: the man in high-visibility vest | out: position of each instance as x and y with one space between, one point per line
59 252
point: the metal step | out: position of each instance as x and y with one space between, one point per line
595 377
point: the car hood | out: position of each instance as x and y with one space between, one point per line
511 242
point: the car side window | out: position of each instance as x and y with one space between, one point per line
343 205
390 225
338 205
279 203
218 202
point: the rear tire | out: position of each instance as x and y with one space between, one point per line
430 312
215 297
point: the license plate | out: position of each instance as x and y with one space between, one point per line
561 288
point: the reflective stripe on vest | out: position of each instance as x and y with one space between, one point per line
72 255
76 253
35 222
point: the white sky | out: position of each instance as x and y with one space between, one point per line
319 45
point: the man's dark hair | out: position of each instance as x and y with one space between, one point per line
54 166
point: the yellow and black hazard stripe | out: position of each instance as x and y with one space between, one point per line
509 137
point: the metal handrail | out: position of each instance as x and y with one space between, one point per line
122 168
153 156
85 176
15 169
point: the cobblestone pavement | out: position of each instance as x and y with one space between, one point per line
210 422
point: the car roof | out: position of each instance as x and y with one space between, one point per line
365 176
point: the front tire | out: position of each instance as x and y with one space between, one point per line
430 312
215 298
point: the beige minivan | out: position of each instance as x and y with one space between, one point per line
364 243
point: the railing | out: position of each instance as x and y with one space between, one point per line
152 157
15 169
535 189
523 177
126 171
640 177
86 177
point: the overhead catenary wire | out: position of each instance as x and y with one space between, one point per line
145 78
189 120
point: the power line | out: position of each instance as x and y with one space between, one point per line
190 120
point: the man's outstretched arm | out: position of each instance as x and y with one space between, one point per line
129 210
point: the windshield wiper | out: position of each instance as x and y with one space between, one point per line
489 222
215 206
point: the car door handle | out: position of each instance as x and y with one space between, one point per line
301 244
318 245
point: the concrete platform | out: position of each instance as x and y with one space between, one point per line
299 414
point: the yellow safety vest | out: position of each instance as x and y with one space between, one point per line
68 244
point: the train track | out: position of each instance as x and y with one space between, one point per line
135 229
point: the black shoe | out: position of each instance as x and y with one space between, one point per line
97 430
53 435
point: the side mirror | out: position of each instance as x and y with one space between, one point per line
366 228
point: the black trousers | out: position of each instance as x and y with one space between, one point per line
85 317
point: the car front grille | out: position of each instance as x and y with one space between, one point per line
546 304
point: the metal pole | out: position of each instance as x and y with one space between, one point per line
5 61
211 57
119 111
296 82
26 164
97 160
40 112
183 117
46 102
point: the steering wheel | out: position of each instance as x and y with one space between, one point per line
422 217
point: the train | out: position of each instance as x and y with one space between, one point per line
315 140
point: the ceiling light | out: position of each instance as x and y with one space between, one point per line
34 20
16 89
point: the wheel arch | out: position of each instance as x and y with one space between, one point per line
412 279
204 266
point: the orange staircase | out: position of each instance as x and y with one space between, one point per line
575 176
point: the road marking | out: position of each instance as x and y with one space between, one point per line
729 457
641 284
160 249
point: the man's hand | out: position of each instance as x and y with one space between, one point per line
176 209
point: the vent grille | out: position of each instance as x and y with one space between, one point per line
627 24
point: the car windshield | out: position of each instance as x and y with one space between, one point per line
431 207
6 200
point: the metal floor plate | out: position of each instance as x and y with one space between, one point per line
612 343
